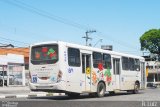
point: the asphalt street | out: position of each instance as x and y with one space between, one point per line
146 98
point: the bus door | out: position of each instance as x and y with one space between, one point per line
86 72
116 72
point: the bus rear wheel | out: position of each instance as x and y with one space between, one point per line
101 89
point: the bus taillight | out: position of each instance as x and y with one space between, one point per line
29 75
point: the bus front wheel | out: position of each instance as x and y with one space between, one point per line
101 89
136 88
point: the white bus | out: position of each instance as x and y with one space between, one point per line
74 69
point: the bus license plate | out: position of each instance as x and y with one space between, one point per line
34 79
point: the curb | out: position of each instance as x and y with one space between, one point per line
31 95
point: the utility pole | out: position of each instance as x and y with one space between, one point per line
87 37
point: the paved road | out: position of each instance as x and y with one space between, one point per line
146 98
70 104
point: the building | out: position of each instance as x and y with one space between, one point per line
12 71
153 70
14 66
18 51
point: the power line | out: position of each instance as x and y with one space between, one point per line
6 45
6 39
22 30
124 44
43 13
100 40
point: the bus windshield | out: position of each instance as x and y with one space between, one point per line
46 54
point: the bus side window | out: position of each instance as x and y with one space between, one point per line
107 61
125 63
74 57
131 64
97 58
137 65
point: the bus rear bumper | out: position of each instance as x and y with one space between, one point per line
57 87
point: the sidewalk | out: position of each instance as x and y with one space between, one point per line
22 92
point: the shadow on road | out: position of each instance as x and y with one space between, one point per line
83 96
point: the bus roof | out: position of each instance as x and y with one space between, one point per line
88 48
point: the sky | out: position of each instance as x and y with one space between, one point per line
119 23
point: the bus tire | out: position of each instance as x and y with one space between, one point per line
136 88
101 89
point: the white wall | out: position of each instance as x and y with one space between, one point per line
3 60
11 59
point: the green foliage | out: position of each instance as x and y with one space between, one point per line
150 40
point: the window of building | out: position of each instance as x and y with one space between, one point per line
157 67
150 78
125 64
150 67
26 66
157 77
3 73
107 61
97 58
73 57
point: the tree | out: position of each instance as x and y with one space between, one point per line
150 41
